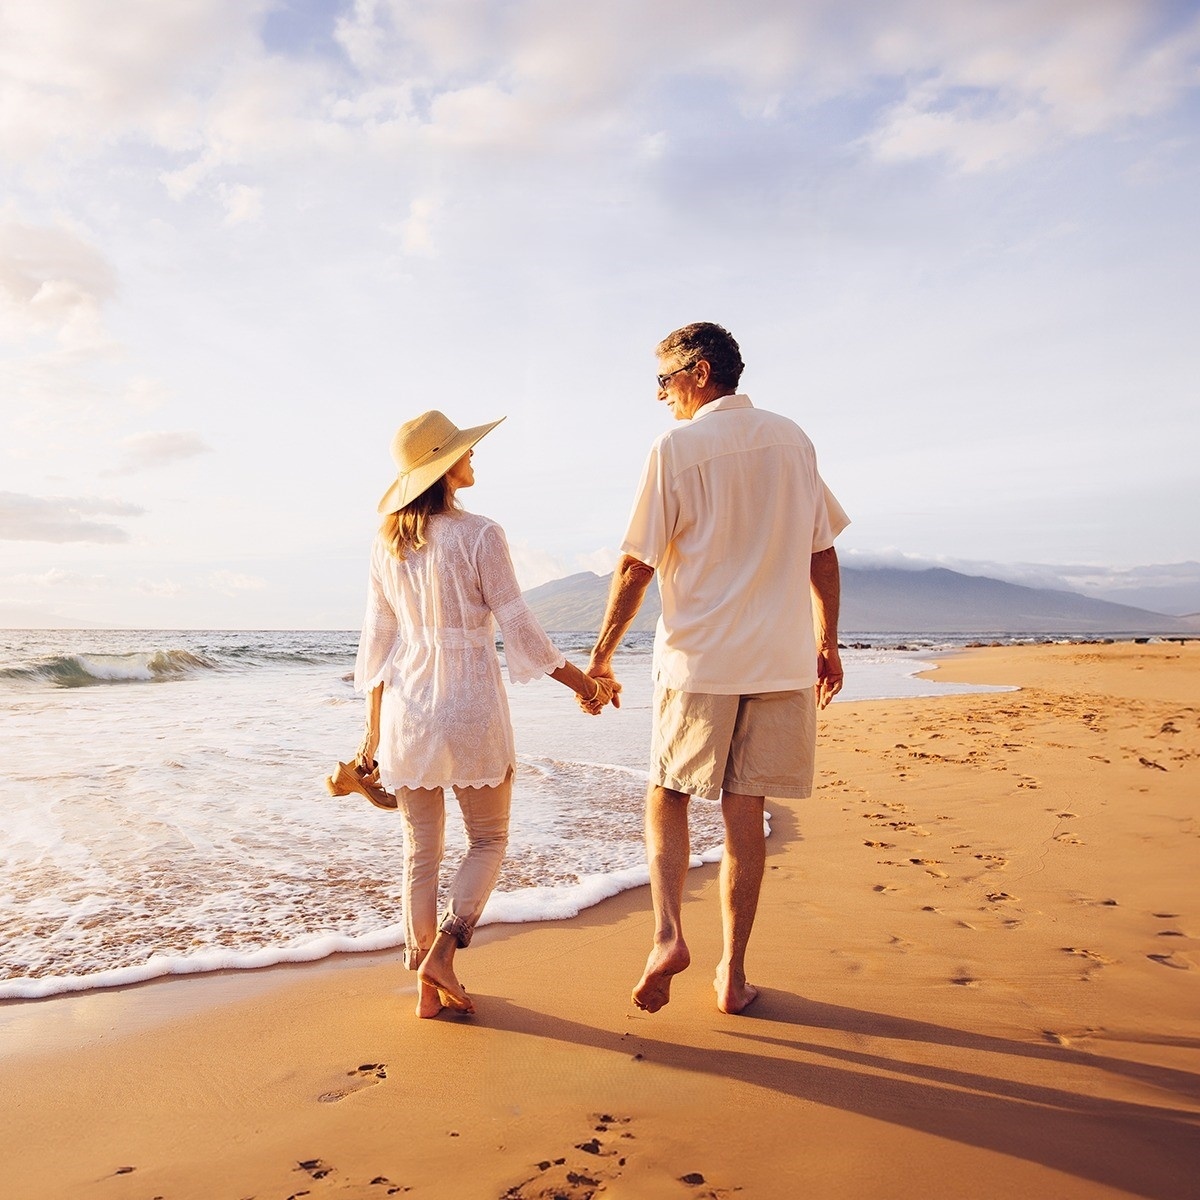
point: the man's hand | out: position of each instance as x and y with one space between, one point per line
829 675
608 689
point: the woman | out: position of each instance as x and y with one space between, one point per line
437 714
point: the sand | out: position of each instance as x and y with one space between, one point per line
977 948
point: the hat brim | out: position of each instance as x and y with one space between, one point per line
409 486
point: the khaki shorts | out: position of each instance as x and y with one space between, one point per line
759 745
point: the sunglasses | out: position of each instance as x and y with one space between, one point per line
663 379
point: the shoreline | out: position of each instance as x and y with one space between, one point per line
117 945
978 947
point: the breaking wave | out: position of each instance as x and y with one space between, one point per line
90 670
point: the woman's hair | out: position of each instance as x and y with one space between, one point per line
405 530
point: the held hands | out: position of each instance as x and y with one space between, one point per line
605 689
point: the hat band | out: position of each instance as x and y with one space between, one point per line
413 466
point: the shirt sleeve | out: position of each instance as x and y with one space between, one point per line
830 519
652 522
527 650
377 643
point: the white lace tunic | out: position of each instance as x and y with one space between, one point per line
429 637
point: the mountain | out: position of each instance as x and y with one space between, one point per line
889 599
937 600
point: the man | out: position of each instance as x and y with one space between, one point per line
733 515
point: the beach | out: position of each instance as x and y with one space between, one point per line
979 970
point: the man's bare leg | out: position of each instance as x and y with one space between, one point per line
741 881
668 852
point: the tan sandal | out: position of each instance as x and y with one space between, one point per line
348 778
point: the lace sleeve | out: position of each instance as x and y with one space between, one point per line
528 651
378 640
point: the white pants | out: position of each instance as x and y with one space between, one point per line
485 815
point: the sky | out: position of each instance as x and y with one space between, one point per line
241 241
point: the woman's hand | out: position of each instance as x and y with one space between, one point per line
370 738
367 748
606 689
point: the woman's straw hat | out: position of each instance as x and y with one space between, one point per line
424 449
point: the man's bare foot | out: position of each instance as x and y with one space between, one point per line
429 1004
654 989
734 994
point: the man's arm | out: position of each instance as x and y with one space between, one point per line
826 581
629 583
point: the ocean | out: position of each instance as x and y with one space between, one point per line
163 808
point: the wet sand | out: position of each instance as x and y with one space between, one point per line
979 962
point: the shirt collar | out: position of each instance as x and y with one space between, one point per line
722 404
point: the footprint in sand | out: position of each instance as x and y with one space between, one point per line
1099 959
1067 1039
317 1169
391 1189
1180 962
880 845
1068 839
590 1168
992 862
365 1075
586 1170
314 1168
931 865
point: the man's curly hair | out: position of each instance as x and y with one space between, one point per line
713 343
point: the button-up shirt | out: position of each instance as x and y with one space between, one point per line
729 512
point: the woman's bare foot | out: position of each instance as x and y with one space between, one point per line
438 973
734 994
429 1003
666 960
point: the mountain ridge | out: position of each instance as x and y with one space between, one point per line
894 599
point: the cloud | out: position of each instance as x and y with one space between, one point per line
599 562
54 289
57 578
416 234
67 78
230 583
242 203
160 588
534 566
144 451
987 85
60 519
211 86
51 282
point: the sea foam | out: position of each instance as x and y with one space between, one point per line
179 823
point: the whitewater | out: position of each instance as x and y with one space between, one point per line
163 810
